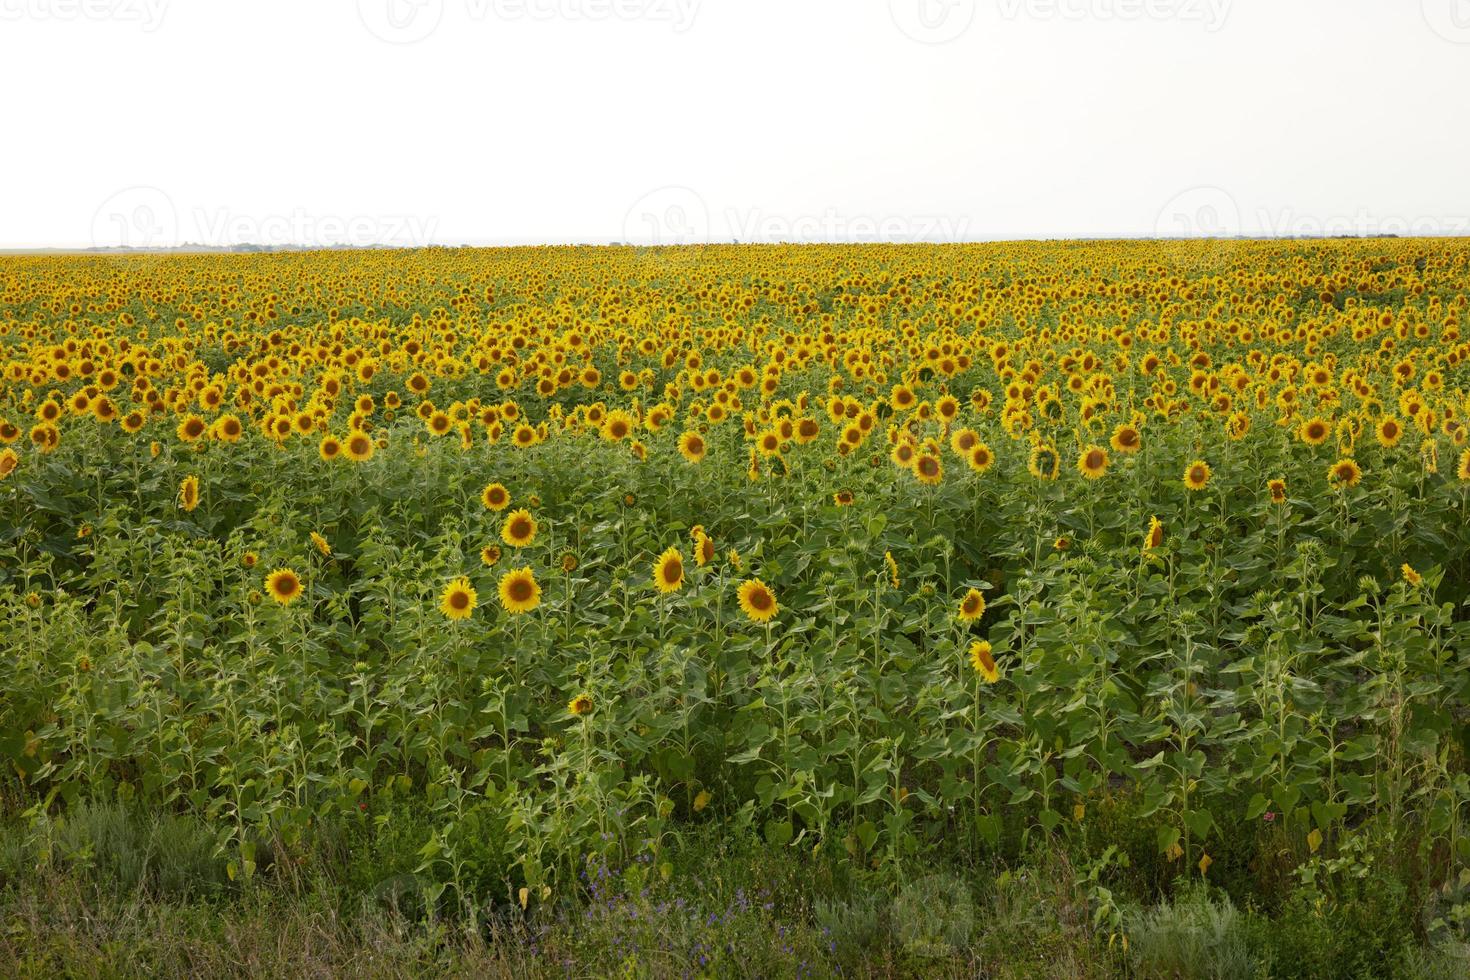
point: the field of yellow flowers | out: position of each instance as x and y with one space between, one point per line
874 552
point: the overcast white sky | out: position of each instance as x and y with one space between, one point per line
154 122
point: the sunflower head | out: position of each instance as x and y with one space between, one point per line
580 706
458 600
1093 462
519 591
1197 475
982 658
668 571
189 493
757 601
1344 473
972 606
495 497
519 530
284 586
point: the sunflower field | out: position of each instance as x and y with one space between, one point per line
872 552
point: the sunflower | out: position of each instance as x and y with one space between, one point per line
495 497
321 544
928 469
888 560
982 658
1344 473
1126 440
972 606
1093 462
843 498
1464 471
692 446
980 458
668 571
569 562
191 429
519 591
519 529
1278 491
283 585
1314 431
459 599
704 549
360 447
249 559
1044 463
1155 537
490 555
330 448
757 601
1411 576
580 706
1197 475
8 462
1389 431
189 493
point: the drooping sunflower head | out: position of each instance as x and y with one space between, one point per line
757 601
1155 537
8 462
321 544
519 591
982 658
519 530
458 599
284 586
189 493
972 606
1410 576
668 571
704 549
490 555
